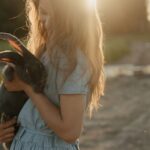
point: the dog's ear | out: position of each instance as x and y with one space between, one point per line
6 57
11 57
13 41
15 44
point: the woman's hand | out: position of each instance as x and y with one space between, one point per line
7 131
16 84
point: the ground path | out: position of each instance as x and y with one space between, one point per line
123 122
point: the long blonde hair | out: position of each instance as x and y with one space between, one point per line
76 22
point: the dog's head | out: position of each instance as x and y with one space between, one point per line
29 68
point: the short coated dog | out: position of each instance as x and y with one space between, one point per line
28 68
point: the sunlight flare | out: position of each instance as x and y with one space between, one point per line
91 3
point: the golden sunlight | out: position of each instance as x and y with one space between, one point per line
91 3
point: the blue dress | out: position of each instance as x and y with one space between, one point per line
33 134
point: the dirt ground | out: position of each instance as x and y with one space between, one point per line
140 54
123 121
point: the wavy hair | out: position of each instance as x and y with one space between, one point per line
72 20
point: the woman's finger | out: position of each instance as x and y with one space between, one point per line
10 135
8 123
7 131
7 138
7 134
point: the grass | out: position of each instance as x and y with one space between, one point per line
116 47
4 46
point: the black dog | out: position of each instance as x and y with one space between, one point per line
27 67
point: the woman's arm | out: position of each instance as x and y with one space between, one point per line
66 121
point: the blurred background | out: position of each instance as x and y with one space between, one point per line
123 120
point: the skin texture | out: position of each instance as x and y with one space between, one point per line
7 131
66 121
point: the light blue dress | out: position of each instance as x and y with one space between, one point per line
33 133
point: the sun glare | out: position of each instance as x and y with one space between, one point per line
91 3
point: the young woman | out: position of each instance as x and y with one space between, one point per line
66 36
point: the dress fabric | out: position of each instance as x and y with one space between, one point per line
33 134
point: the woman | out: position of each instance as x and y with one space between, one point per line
67 37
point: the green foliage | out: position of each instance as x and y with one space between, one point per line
116 47
4 46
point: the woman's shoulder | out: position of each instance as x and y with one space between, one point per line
80 57
77 81
82 62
